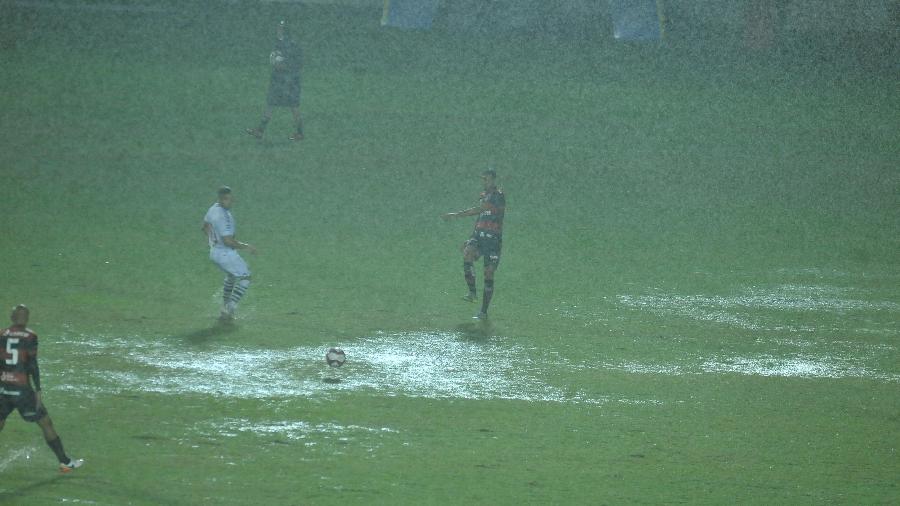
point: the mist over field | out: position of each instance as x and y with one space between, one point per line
697 300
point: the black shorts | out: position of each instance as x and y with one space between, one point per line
25 402
487 246
284 90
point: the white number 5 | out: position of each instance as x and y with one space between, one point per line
13 352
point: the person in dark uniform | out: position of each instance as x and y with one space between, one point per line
486 239
20 383
284 86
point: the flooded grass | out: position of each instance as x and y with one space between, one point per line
430 365
688 310
233 404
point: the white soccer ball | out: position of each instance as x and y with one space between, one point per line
335 357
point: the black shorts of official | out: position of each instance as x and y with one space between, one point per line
284 90
25 402
488 246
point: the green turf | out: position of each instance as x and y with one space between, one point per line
697 301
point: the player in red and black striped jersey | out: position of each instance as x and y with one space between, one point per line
486 239
20 383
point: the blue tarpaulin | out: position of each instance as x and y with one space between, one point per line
637 19
416 14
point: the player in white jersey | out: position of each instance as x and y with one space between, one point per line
218 224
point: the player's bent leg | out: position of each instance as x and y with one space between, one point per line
240 288
469 274
238 277
7 405
227 288
66 464
489 269
46 425
488 294
470 254
470 250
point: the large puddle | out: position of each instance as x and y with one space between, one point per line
786 330
793 366
432 365
440 366
755 308
811 315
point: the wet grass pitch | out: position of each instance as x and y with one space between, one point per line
698 299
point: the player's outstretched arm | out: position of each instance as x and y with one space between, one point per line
472 211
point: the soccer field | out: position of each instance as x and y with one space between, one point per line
698 300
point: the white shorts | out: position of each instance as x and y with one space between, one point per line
229 261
